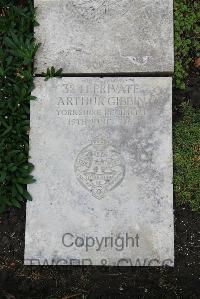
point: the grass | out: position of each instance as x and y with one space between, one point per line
187 38
187 157
18 48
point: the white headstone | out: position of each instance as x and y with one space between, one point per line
102 150
105 36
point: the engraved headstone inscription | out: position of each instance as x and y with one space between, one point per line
102 150
105 36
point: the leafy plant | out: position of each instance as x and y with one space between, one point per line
18 48
51 72
187 157
187 38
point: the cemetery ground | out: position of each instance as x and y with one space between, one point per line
19 281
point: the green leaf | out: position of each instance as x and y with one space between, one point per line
15 203
27 180
19 188
6 131
27 195
2 175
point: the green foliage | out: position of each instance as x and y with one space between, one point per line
51 72
187 158
187 38
18 48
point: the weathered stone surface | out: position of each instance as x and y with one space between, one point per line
102 150
105 36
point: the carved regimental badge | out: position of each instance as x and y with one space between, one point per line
97 9
99 167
